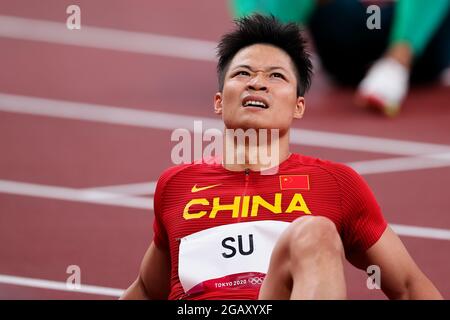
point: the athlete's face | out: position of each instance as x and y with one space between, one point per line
260 90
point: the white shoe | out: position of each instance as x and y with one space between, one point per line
384 87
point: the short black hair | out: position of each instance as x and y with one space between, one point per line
260 29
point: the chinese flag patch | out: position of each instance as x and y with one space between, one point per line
294 182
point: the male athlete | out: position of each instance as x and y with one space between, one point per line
248 231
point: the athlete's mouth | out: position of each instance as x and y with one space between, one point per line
255 101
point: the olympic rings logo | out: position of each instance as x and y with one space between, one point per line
256 280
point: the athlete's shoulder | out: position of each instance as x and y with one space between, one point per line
334 168
164 180
186 170
170 171
354 191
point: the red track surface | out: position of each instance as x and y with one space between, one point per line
40 237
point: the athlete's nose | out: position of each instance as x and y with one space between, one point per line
257 83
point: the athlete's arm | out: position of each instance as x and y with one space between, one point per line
401 278
153 281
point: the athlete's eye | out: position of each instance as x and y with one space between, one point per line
277 75
242 73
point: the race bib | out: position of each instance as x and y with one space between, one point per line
228 256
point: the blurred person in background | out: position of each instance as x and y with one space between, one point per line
411 44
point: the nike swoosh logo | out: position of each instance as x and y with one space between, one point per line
197 189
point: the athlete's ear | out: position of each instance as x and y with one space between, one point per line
218 103
299 108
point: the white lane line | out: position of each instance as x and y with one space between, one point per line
101 113
401 164
168 121
94 196
112 39
439 156
421 232
60 286
104 38
364 143
70 194
132 189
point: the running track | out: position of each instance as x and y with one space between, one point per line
85 123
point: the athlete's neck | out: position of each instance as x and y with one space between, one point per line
257 152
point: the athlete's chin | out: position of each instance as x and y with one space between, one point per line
249 124
257 122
